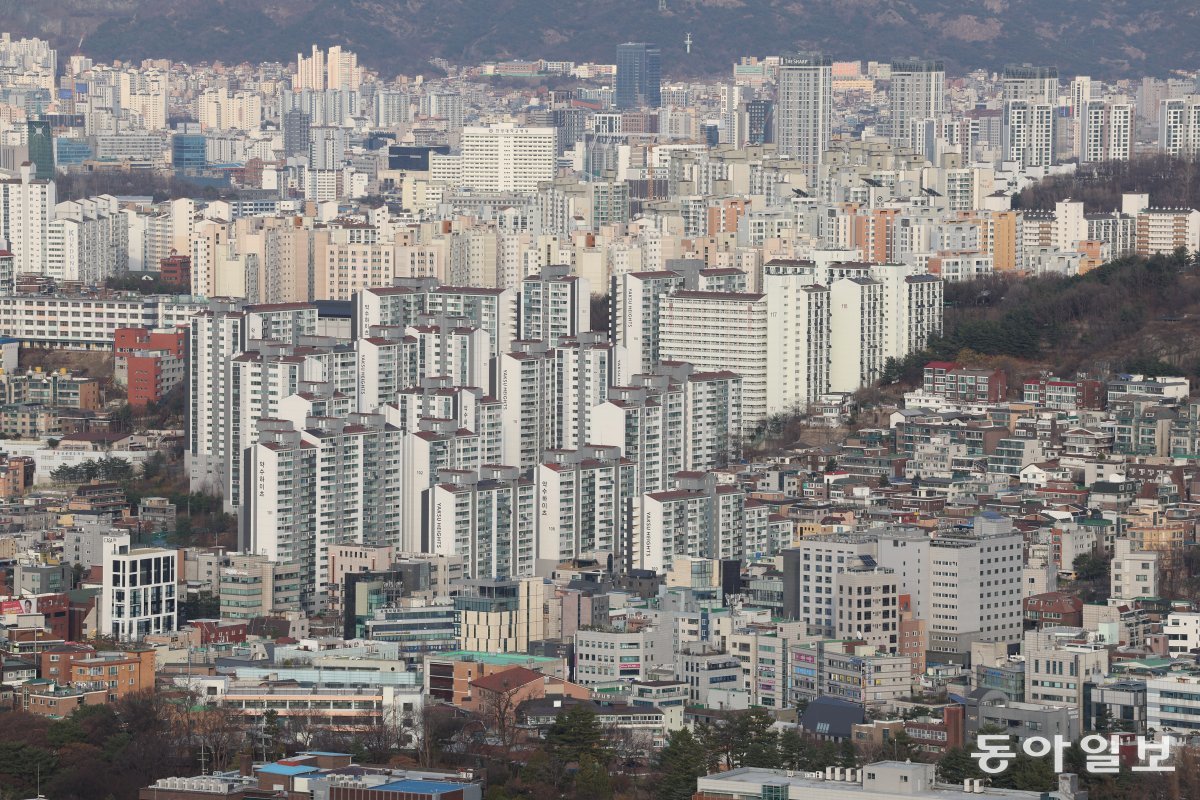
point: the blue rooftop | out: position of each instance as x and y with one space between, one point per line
284 769
420 787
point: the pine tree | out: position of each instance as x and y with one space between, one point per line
680 763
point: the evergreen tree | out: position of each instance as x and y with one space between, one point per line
793 750
754 742
680 763
592 781
576 734
847 755
956 765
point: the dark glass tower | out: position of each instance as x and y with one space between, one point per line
41 149
296 135
189 151
639 75
760 122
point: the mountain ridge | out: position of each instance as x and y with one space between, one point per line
1123 38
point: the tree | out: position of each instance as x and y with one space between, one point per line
153 466
716 745
956 765
592 781
542 775
1090 567
576 734
219 733
437 725
383 738
901 747
499 713
754 741
916 712
681 762
847 755
793 750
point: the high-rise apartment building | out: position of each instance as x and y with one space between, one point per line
797 337
337 69
639 75
856 333
327 481
553 303
721 330
26 211
487 517
803 109
702 519
587 500
635 313
1027 82
1106 131
1179 126
917 92
1028 133
1029 123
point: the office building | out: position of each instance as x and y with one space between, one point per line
138 592
966 585
639 76
507 158
40 141
296 124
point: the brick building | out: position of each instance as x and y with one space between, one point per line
149 363
963 384
176 270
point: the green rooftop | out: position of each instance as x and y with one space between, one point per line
515 659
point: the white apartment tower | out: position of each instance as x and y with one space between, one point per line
856 333
26 211
646 423
702 519
1179 126
587 500
635 310
803 110
715 331
797 338
917 92
216 335
1030 114
335 481
1027 133
487 517
553 303
1107 131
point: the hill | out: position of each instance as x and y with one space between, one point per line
1130 315
1170 182
1119 38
